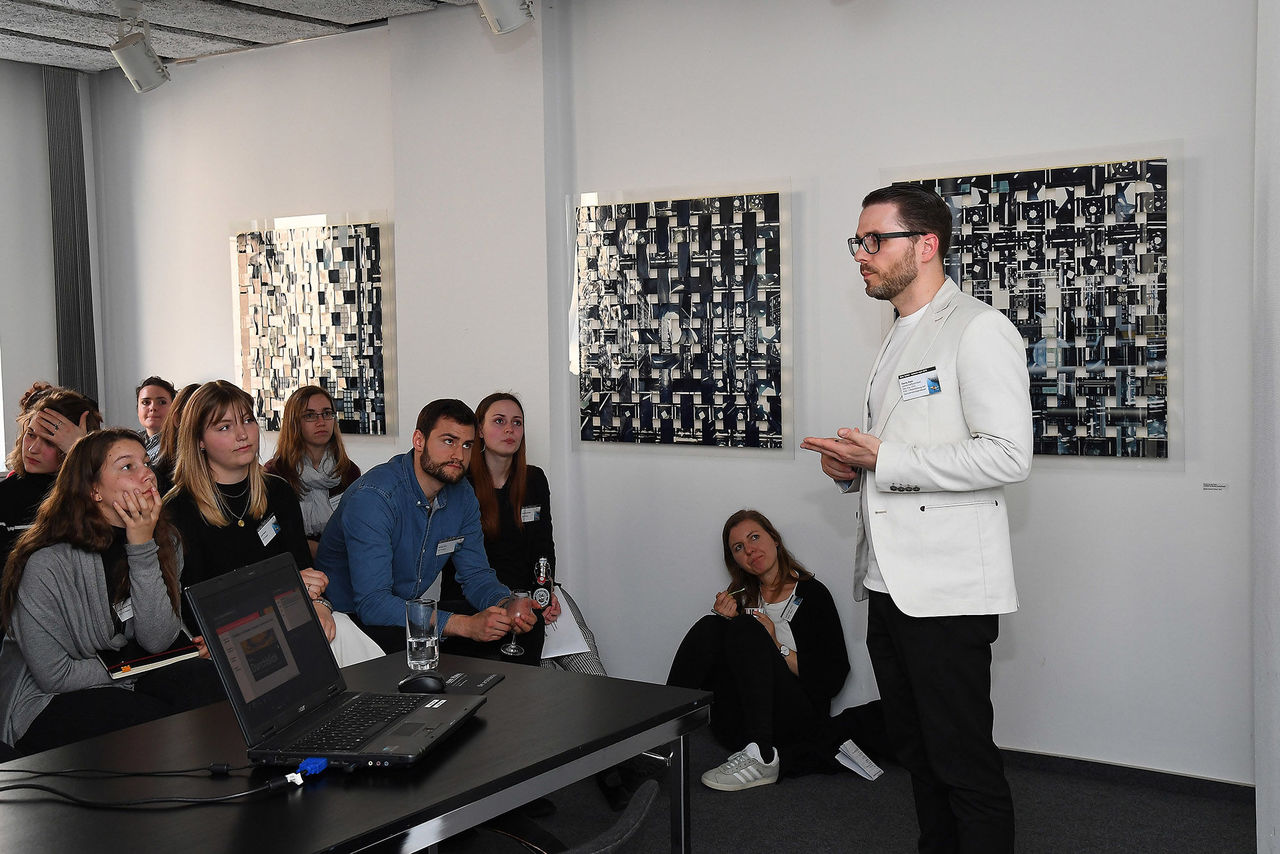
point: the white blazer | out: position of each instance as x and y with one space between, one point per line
935 503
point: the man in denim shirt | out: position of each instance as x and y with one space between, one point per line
398 525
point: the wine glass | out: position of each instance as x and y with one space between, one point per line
518 604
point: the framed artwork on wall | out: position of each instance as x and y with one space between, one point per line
1078 258
679 320
312 300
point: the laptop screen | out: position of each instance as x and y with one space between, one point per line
270 650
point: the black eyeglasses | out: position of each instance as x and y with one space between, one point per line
870 242
310 417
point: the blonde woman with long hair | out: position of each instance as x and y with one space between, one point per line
232 513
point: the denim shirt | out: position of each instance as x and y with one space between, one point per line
382 547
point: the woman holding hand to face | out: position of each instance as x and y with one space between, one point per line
52 420
99 567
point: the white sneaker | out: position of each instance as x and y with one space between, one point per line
743 770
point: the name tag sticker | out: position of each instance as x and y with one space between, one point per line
921 383
449 546
124 610
531 513
790 611
267 530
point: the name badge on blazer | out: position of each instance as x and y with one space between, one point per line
449 546
921 383
531 513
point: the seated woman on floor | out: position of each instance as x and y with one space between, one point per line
51 421
515 515
99 567
311 459
231 513
773 653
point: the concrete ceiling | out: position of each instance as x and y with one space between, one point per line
77 34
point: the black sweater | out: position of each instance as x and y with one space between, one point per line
210 551
515 551
20 497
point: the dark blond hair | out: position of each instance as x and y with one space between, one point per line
787 565
169 432
70 515
192 473
292 447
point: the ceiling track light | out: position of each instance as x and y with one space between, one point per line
506 15
133 51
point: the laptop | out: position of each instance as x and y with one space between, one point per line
285 687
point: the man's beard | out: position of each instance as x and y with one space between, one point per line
440 472
896 279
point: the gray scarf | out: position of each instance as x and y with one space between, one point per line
314 498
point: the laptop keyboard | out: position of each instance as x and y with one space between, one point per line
357 722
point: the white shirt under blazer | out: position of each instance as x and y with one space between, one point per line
935 503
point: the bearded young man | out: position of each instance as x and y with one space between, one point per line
946 424
400 523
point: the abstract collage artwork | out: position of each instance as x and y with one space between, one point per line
680 324
1077 258
310 303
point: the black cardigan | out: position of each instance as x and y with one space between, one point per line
821 657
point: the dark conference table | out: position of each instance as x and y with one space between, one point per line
539 730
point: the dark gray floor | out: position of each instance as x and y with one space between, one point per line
1061 806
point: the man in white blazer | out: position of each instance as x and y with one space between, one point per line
946 424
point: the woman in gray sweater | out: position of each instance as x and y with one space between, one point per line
99 567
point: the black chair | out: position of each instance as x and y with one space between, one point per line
513 833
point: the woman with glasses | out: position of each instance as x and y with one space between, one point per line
311 459
231 513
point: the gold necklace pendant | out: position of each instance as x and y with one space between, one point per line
240 523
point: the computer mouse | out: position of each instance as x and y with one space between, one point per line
426 682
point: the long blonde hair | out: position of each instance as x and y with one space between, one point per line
192 474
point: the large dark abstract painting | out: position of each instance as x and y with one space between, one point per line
1077 258
680 324
311 307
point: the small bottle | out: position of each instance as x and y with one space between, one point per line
542 583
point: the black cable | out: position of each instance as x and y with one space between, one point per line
174 801
306 768
213 769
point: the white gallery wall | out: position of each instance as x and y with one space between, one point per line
1133 642
27 327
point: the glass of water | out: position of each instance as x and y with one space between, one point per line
423 647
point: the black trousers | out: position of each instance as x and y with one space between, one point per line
757 698
78 715
934 675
